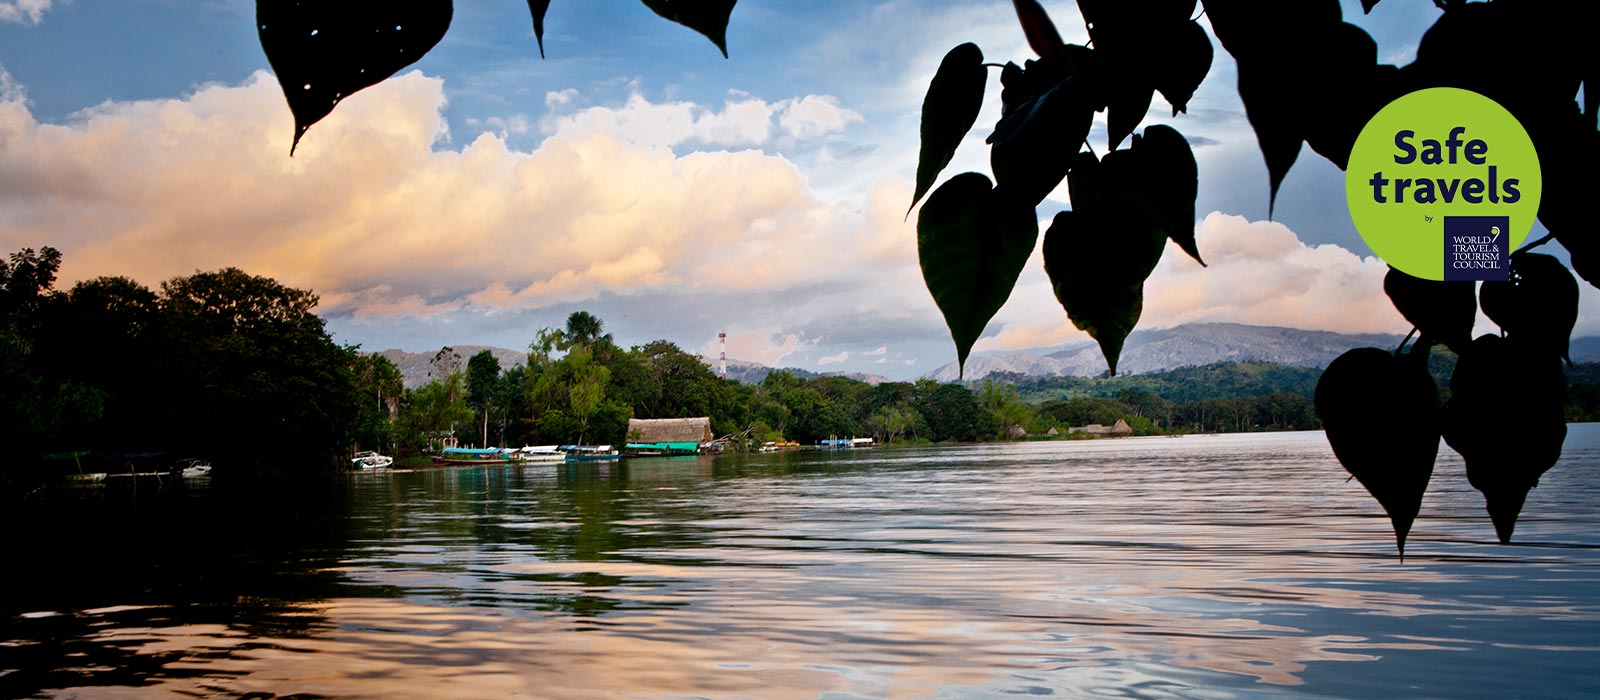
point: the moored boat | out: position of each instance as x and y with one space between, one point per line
461 455
590 453
371 460
661 449
542 453
193 468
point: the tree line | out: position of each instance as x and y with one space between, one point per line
222 365
237 369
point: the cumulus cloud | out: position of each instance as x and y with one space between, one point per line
814 116
1259 272
382 217
23 11
742 121
834 359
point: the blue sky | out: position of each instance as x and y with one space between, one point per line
636 173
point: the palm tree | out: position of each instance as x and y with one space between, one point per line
583 328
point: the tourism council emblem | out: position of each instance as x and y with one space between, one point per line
1443 184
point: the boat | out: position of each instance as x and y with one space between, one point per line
836 444
371 460
661 449
461 455
192 468
590 453
89 479
542 453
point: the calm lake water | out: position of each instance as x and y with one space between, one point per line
1239 566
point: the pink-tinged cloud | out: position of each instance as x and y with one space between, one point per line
1259 272
383 216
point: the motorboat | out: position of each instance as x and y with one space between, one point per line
371 460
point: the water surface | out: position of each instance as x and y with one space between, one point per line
1214 567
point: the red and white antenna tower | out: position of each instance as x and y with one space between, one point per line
722 340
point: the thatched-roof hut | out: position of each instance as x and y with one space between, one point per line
669 430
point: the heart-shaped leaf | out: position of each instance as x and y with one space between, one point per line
1099 255
948 111
1505 417
538 8
1538 305
972 243
1170 182
1041 32
1182 64
1275 120
709 17
1381 415
1034 144
1297 61
323 52
1441 310
1128 101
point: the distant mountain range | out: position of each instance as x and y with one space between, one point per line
1144 352
417 367
1192 344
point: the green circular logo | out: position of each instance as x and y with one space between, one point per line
1443 184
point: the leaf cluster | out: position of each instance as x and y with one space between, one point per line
974 234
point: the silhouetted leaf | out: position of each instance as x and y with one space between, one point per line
1566 162
538 8
1019 85
1537 306
1129 100
948 111
1505 418
1304 76
1041 32
323 52
1182 64
1279 132
1381 416
1123 16
1442 310
1585 259
1034 144
972 244
1099 255
709 17
1367 5
1171 181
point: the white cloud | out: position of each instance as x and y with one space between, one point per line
834 359
743 121
23 11
560 98
882 350
814 116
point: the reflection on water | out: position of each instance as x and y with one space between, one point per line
1201 567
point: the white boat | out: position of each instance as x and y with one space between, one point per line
194 468
371 460
541 453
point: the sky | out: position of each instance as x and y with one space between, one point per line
483 193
